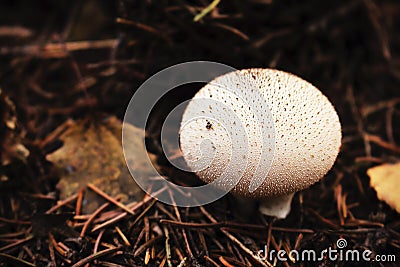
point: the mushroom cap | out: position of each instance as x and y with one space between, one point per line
263 125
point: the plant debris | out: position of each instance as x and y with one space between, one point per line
92 154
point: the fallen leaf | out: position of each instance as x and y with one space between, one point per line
385 179
92 153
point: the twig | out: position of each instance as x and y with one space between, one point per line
211 261
368 159
375 16
14 221
97 243
357 117
15 31
224 262
272 35
60 250
139 238
52 254
233 225
15 260
146 238
379 141
16 243
366 111
62 203
109 222
235 31
78 208
57 50
235 240
143 213
167 247
389 124
324 220
96 256
122 235
91 218
146 245
178 215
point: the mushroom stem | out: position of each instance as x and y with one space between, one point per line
278 207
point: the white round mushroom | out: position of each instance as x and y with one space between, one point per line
293 135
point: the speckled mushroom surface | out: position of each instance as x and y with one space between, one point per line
262 124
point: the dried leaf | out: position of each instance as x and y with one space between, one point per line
385 179
92 153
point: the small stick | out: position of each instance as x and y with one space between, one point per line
146 245
14 221
78 208
323 219
389 124
61 251
15 31
96 256
178 252
233 30
298 241
143 213
162 263
224 262
339 205
379 106
139 25
111 221
368 159
206 10
52 254
167 247
147 238
178 215
121 234
16 260
379 141
16 243
91 218
110 199
212 261
193 225
141 234
62 203
357 117
11 235
58 50
166 212
29 252
233 225
203 242
278 247
97 243
235 240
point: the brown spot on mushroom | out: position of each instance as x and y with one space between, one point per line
209 126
